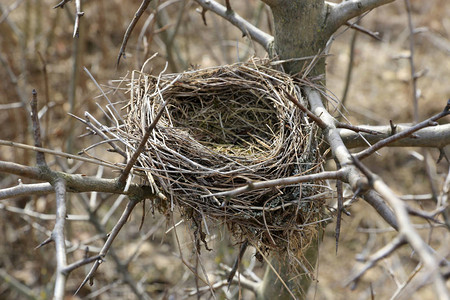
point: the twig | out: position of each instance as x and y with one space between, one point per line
411 63
316 119
380 206
237 262
26 190
66 271
120 267
77 182
59 153
100 133
61 4
344 11
358 28
338 148
435 137
111 237
38 215
351 61
384 252
79 14
17 285
356 128
253 32
130 28
428 122
40 158
407 232
280 182
340 207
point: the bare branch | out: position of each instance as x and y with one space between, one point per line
414 77
78 182
407 232
312 116
338 148
60 241
342 155
40 158
111 237
130 28
59 153
79 14
80 263
344 11
356 128
26 190
256 34
384 252
358 28
61 4
435 136
374 199
100 133
41 216
400 135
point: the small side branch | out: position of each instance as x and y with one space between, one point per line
40 158
407 232
130 28
312 116
344 11
79 14
78 182
400 135
383 253
256 34
26 190
111 237
435 136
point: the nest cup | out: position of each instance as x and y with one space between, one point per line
223 128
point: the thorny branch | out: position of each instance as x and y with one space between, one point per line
407 232
400 135
433 136
256 34
130 28
60 241
357 182
111 237
344 11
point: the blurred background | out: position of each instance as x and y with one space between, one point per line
38 51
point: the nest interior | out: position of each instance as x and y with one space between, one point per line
223 128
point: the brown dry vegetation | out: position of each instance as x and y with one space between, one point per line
34 36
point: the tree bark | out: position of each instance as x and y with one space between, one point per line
299 33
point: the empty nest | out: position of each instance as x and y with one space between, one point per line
223 128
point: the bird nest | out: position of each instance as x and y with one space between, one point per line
224 128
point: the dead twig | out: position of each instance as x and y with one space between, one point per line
428 122
137 16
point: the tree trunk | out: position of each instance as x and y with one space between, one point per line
300 32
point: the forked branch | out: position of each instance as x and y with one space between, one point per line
340 13
256 34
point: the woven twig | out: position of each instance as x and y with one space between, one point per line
226 127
